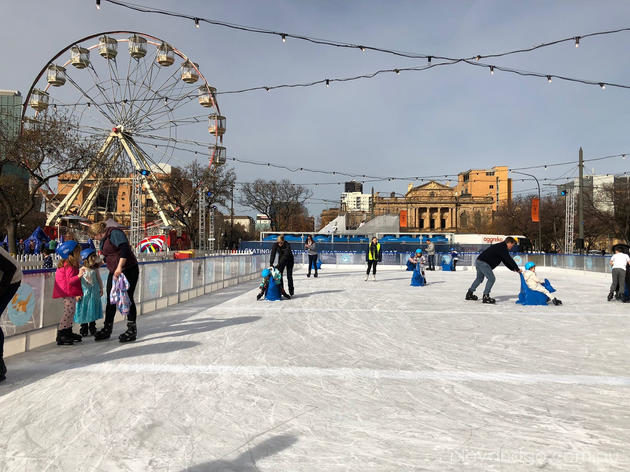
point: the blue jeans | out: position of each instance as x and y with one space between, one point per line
483 271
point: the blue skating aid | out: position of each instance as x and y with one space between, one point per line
319 264
417 280
273 291
532 297
447 263
410 265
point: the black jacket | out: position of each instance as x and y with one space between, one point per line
496 254
375 249
285 255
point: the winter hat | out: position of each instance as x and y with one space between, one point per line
86 253
418 251
65 249
529 265
265 273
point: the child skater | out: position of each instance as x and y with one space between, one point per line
90 307
454 258
419 262
271 273
534 283
68 287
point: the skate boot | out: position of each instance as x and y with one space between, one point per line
308 275
92 328
84 330
315 274
374 277
471 296
63 339
104 333
488 299
76 337
556 302
367 276
286 295
3 370
130 334
611 296
259 296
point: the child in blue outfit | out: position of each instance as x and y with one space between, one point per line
90 307
276 275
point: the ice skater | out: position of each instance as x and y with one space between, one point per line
9 285
534 283
373 256
285 260
267 274
485 264
419 262
619 263
68 286
311 248
90 307
431 255
454 258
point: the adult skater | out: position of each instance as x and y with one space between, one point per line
311 248
485 264
9 284
285 260
120 259
372 257
431 255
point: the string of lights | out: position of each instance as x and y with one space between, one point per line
358 175
361 47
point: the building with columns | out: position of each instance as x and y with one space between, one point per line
437 207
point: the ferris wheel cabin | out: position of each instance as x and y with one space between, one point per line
165 55
79 57
56 75
216 125
137 47
39 100
107 47
189 72
206 96
218 154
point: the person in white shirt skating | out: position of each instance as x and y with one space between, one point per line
619 263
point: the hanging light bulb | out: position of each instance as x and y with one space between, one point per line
491 70
602 85
397 71
327 82
267 89
362 48
623 156
284 37
98 4
478 58
196 22
549 78
577 41
429 59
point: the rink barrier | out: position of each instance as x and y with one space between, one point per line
31 319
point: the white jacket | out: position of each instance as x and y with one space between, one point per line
534 283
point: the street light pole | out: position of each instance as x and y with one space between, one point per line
539 206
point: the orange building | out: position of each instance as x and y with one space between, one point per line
492 182
114 197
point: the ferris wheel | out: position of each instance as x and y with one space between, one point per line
145 102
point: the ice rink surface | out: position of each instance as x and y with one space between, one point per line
348 376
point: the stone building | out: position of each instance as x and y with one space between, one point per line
437 207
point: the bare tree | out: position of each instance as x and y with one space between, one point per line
32 161
179 192
276 200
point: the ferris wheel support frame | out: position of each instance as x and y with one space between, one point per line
87 204
137 160
66 203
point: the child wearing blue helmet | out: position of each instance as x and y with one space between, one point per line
454 258
419 261
276 275
90 307
534 283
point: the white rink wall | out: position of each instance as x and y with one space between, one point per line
31 319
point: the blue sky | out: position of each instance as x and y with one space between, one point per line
444 120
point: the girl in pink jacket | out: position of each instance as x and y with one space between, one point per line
68 287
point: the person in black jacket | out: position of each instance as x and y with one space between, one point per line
285 261
485 264
9 284
373 256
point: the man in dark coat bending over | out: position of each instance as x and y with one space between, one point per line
285 260
485 264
